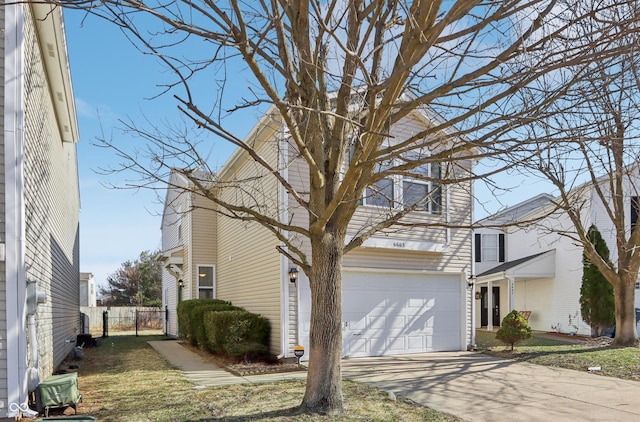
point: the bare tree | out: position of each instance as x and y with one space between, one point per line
588 149
336 76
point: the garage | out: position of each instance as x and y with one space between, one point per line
387 312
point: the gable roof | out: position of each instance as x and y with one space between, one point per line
516 212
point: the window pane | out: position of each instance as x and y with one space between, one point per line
490 248
380 194
414 193
205 276
436 171
205 293
436 199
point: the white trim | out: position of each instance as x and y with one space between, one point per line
283 156
50 27
402 245
399 271
16 341
464 294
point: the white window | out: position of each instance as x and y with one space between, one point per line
398 191
427 194
489 247
206 281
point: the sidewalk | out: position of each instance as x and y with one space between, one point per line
204 374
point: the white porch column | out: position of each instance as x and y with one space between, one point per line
489 306
512 289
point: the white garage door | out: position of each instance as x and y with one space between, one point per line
396 313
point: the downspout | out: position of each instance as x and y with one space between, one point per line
283 157
472 346
16 342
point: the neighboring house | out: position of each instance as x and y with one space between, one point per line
39 268
87 290
404 291
189 247
528 266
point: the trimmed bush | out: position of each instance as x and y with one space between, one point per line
514 329
237 333
198 331
185 309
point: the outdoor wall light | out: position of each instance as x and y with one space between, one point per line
478 295
293 274
471 280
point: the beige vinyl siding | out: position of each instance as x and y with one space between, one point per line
456 207
203 242
51 198
3 274
248 270
186 232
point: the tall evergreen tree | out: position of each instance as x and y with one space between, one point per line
596 293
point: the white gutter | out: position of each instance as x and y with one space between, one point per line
16 342
473 267
283 157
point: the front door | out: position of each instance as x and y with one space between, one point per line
495 303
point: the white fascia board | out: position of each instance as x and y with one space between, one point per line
50 28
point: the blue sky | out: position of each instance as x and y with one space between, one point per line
112 80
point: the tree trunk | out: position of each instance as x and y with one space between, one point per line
324 378
626 334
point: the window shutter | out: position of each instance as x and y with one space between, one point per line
501 247
478 250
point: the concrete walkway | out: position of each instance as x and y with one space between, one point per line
479 387
204 374
472 386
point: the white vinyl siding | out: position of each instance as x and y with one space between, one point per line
51 198
3 297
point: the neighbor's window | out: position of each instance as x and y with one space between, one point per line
489 247
206 281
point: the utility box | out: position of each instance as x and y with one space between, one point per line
58 391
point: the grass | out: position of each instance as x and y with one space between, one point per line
126 380
619 362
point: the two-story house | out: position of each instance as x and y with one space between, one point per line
524 260
405 290
39 197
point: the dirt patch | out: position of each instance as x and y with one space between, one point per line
242 368
568 336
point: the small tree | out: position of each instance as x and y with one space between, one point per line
136 282
597 303
514 329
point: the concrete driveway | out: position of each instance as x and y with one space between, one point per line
477 387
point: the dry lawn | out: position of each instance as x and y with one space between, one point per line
126 380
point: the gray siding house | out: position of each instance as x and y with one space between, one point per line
39 203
